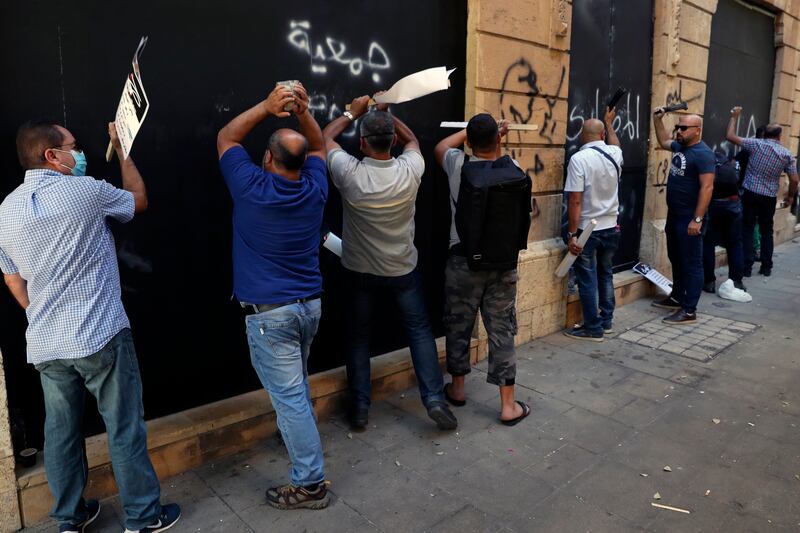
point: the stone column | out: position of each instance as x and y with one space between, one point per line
9 502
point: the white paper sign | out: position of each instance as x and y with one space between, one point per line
133 104
655 276
416 85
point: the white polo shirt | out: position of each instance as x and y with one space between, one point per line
596 177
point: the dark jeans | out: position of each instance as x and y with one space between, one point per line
725 229
596 280
407 292
112 377
686 255
757 209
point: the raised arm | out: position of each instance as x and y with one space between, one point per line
405 137
131 179
237 129
664 139
611 135
731 133
455 140
358 107
308 124
18 288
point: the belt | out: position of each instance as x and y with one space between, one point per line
734 198
263 308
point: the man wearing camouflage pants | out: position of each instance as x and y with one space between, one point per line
493 291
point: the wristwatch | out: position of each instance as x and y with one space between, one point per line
698 219
349 115
571 235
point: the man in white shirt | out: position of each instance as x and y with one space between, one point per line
593 178
379 194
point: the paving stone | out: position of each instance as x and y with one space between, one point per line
563 464
520 491
566 512
594 432
619 490
469 519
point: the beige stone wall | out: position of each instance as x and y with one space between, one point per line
517 56
9 503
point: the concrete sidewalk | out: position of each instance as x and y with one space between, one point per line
719 404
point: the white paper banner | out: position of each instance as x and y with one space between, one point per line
133 104
416 85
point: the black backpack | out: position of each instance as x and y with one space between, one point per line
493 213
726 171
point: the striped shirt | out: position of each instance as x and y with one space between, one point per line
54 232
768 160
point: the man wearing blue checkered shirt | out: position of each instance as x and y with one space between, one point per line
58 260
768 160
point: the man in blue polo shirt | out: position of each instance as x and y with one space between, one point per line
689 189
277 215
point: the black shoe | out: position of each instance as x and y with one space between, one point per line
710 287
442 415
667 303
739 285
92 511
581 333
359 417
608 329
765 271
680 317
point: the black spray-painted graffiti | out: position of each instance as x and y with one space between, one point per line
522 72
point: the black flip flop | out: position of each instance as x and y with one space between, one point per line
526 410
451 400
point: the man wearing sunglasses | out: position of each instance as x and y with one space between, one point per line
58 259
379 195
689 188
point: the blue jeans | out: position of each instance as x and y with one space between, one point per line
407 292
596 280
280 341
686 255
724 228
112 377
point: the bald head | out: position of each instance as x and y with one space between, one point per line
689 130
691 120
288 148
593 130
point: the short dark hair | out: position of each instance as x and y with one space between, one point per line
283 156
377 130
772 131
760 132
33 138
482 132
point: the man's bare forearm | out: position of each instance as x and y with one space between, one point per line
574 207
240 127
312 132
704 198
132 181
404 133
335 128
18 288
661 132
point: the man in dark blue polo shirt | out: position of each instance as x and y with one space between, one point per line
277 215
689 188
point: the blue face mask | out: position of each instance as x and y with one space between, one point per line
80 162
